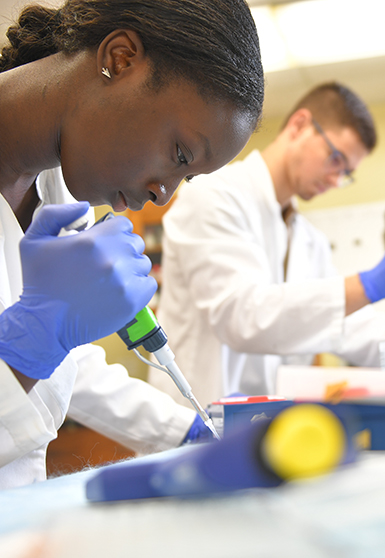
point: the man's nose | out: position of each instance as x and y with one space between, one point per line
334 179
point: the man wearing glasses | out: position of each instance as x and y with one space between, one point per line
248 283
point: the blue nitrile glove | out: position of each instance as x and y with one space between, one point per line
76 289
373 282
198 432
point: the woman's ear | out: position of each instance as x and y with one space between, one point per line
120 50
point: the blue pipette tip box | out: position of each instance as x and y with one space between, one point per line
228 414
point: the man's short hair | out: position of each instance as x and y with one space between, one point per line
333 104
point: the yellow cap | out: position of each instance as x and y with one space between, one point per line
303 441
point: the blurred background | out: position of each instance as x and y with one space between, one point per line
304 43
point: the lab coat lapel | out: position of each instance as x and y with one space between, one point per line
10 264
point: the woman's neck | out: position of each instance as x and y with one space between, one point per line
33 101
33 98
24 208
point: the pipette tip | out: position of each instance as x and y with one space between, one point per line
202 413
210 425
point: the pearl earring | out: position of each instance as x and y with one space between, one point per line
106 72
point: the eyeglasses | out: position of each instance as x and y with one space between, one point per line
337 160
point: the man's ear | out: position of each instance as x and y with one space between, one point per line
120 50
299 121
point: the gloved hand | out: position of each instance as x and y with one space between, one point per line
76 289
373 282
198 432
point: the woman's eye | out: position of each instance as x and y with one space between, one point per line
181 156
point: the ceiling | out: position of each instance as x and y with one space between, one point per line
365 77
337 31
284 87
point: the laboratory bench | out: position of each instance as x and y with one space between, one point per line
337 515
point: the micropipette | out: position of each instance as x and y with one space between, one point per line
144 330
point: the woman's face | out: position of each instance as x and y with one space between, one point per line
127 144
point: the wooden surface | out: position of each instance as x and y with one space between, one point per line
78 447
148 224
150 215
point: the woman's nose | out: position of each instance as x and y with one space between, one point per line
163 192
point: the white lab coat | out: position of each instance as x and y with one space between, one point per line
104 397
230 317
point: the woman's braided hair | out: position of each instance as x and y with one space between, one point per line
212 43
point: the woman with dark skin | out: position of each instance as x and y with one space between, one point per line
128 98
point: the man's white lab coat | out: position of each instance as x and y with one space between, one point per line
230 317
104 397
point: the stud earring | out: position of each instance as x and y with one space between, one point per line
106 72
162 188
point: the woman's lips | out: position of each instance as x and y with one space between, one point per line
122 203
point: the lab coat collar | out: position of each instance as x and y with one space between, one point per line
289 213
52 189
255 161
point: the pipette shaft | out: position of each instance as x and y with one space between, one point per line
166 357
